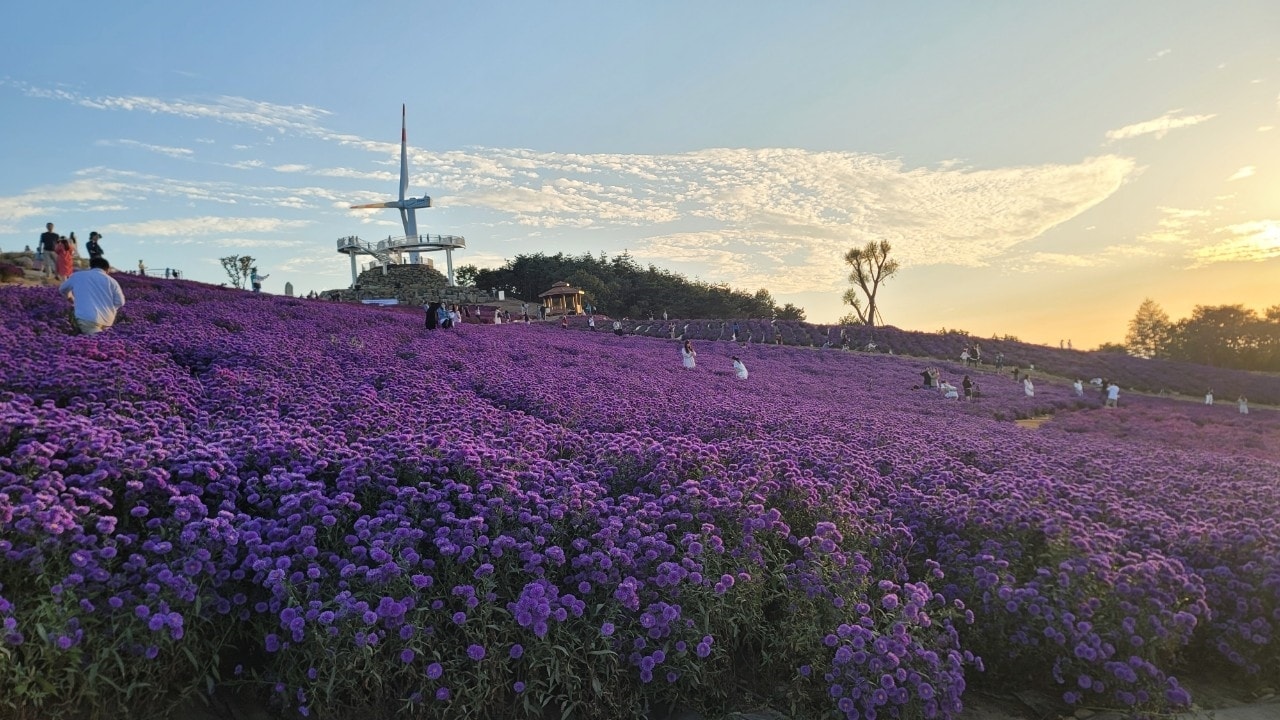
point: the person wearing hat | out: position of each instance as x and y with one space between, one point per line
95 250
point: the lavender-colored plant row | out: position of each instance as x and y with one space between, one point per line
332 505
1132 373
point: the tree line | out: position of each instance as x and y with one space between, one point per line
1228 336
621 287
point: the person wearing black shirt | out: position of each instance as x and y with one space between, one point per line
95 250
48 242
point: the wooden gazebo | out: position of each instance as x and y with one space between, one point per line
563 299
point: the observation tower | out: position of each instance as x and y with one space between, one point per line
391 251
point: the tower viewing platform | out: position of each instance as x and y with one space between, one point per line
391 250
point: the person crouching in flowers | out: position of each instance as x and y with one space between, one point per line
688 356
1027 387
739 368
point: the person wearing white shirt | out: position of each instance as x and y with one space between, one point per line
688 356
1079 387
95 295
1027 387
739 369
1113 395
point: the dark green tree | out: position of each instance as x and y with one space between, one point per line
238 268
466 275
621 287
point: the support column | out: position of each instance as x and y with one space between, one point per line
448 261
352 256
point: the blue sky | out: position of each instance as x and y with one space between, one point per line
1040 168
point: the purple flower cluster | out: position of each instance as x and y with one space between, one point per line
334 494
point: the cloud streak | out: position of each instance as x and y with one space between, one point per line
1159 127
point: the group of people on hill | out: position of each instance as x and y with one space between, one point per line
439 316
689 360
971 355
59 255
1109 388
95 296
967 391
1242 402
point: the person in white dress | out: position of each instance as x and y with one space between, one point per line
688 356
739 369
1244 405
1079 387
1028 388
1208 397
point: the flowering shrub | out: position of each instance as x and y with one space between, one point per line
10 272
346 513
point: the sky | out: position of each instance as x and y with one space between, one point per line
1039 167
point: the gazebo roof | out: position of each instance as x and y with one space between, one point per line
560 288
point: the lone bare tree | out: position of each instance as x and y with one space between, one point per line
238 268
871 266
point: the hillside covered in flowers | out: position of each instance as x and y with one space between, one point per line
334 508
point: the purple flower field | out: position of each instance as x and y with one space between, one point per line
1131 373
332 507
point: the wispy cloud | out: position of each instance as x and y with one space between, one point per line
1159 127
235 110
204 226
1159 54
174 152
1244 242
1242 173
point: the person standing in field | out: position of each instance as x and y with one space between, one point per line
1243 402
95 295
255 280
1113 395
63 259
967 384
1028 387
1208 397
1078 386
75 250
688 356
48 244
